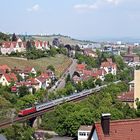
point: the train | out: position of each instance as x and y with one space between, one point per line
56 102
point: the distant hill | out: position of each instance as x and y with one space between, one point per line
4 37
65 39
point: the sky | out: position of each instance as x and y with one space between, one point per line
81 19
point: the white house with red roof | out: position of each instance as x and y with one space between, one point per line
109 67
43 80
27 71
84 132
41 45
7 78
8 47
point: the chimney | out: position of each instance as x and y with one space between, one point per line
105 123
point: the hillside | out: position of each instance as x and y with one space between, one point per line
65 39
60 62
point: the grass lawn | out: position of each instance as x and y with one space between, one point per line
60 62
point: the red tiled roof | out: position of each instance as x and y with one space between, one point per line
28 69
80 67
120 130
45 75
41 79
127 97
26 83
10 77
87 72
101 72
4 68
33 81
13 89
108 64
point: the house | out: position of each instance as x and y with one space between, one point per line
109 67
27 71
5 69
40 45
83 132
80 67
7 78
15 88
130 57
51 74
42 82
48 79
90 52
8 47
115 130
30 70
127 97
34 83
101 74
31 84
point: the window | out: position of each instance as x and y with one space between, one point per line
82 134
88 133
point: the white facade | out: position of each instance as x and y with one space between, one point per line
33 71
83 134
110 69
4 81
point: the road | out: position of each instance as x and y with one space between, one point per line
61 82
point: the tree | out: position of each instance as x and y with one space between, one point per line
28 45
109 77
67 118
17 132
51 67
4 37
27 101
23 90
69 88
119 61
14 38
98 82
79 87
68 78
53 51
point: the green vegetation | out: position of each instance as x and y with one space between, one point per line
18 132
67 118
90 61
4 37
51 67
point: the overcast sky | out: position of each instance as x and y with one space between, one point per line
83 19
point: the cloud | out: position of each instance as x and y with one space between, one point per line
85 7
114 2
35 7
96 5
